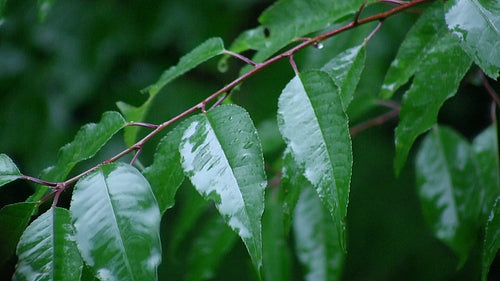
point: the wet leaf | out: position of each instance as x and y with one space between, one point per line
292 183
286 20
477 24
117 223
222 156
87 142
13 220
205 51
214 240
47 249
277 259
491 239
485 147
8 170
448 189
165 174
44 7
316 240
421 38
315 127
436 80
345 69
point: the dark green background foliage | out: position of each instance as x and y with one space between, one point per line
61 73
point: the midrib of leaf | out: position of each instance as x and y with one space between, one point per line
115 224
483 14
449 180
323 144
233 176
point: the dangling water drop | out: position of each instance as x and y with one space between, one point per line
318 45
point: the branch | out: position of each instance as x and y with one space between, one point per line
314 41
490 89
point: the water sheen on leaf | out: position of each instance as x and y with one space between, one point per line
222 156
165 174
448 189
436 80
315 127
210 48
47 249
286 20
214 240
421 38
491 239
485 147
117 223
477 24
13 220
345 70
8 170
316 240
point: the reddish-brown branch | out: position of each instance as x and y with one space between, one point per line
374 122
226 89
490 89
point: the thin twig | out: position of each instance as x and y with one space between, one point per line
373 32
374 122
141 124
219 101
394 2
39 181
257 67
238 56
358 13
389 104
490 89
136 155
294 66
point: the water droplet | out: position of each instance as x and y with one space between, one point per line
318 45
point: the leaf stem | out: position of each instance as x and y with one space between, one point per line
490 89
238 56
374 122
39 181
226 89
141 124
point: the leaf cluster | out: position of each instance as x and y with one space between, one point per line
283 190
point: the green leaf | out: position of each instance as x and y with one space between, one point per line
477 24
2 10
47 249
345 70
491 239
316 240
276 254
165 174
315 127
222 156
8 170
117 223
287 20
87 142
207 50
44 7
214 240
420 40
13 220
448 189
292 183
194 206
485 147
436 80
